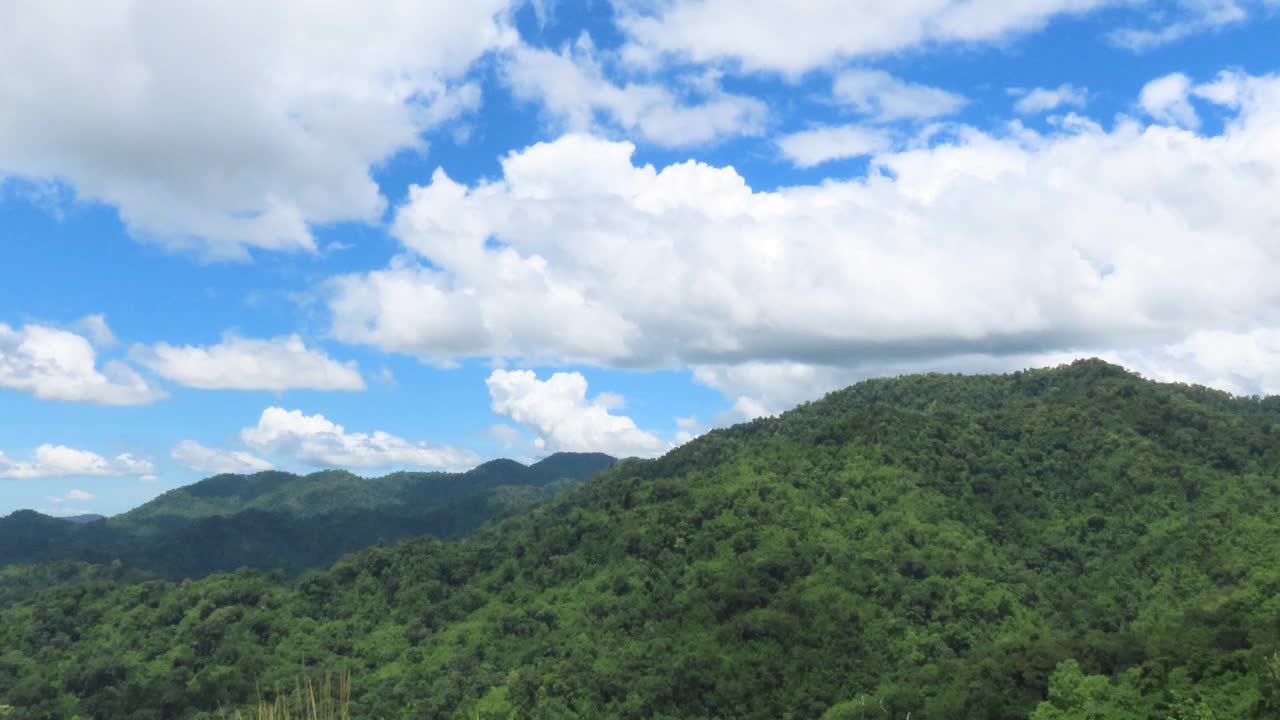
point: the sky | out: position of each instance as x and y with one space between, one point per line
420 235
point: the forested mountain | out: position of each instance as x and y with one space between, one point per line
278 520
87 518
1064 544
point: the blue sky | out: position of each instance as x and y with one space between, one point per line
417 235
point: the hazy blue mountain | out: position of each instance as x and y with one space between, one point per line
87 518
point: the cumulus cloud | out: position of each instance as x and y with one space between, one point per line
558 410
886 98
55 364
238 363
508 436
195 456
756 389
50 461
1243 363
573 87
315 440
796 37
1015 244
1042 100
1167 100
233 125
816 146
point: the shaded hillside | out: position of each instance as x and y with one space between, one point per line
26 534
87 518
278 520
1053 544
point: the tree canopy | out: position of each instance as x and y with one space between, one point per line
281 521
1060 544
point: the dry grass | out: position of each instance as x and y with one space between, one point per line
330 699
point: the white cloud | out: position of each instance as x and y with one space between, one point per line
761 388
1190 17
1042 100
195 456
1244 363
816 146
573 87
756 389
246 364
796 37
508 436
98 331
1166 100
63 511
238 124
61 461
999 245
55 364
689 428
558 410
315 440
71 496
1229 89
886 98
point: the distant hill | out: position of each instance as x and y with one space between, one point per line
88 518
1066 544
27 534
278 520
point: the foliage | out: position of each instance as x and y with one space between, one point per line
277 520
1067 543
1076 696
19 582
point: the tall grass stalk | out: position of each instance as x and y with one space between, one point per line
328 700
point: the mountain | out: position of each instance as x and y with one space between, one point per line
1054 544
86 518
278 520
27 530
337 491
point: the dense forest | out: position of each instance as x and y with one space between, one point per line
276 520
1066 544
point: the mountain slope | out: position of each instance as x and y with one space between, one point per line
944 546
278 520
335 491
87 518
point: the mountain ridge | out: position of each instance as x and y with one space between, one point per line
1052 544
228 520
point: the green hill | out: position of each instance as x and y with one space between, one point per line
278 520
87 518
1063 544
